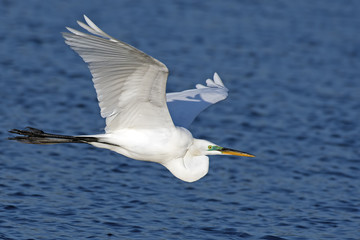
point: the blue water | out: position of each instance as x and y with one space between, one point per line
292 68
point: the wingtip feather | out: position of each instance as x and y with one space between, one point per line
199 86
87 28
76 32
94 29
210 83
92 24
87 20
218 80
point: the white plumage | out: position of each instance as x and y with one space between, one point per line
186 105
142 121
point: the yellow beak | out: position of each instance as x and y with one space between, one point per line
235 152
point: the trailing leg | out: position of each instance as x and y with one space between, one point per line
36 136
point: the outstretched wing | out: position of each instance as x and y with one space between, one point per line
186 105
130 84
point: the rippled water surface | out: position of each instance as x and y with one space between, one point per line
292 68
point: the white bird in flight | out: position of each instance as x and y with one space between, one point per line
142 121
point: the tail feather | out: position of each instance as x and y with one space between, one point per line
37 136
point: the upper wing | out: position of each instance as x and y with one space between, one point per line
130 84
186 105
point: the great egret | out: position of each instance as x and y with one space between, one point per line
141 121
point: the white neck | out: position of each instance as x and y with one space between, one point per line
195 164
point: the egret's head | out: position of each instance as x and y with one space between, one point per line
204 147
214 149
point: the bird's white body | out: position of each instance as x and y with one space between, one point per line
142 121
157 145
174 148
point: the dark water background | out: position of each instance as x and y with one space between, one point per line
292 68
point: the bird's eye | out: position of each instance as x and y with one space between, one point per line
209 147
